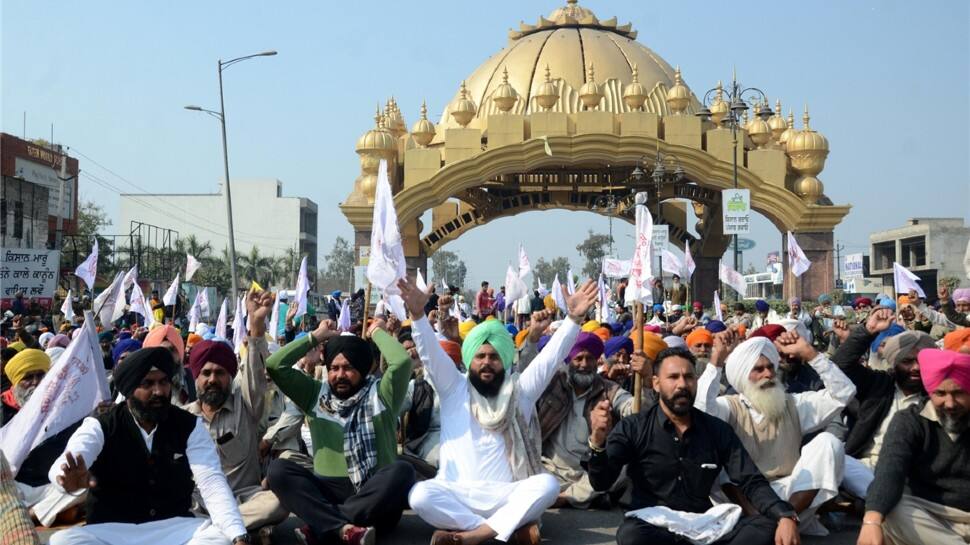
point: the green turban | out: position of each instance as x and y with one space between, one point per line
493 333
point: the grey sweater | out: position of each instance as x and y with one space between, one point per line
920 456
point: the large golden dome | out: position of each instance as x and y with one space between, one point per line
570 40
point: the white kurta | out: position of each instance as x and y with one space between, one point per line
474 484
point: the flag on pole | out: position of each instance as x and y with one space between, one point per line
131 277
557 295
638 288
302 287
717 307
343 321
274 318
524 266
195 312
386 265
570 281
172 294
602 292
88 270
734 279
69 391
673 264
543 291
444 286
191 265
797 260
221 320
238 326
689 265
515 288
905 280
105 304
138 305
617 268
67 309
420 283
966 260
204 306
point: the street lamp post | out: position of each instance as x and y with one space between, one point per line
730 118
221 116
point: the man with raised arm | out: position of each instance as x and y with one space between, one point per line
490 481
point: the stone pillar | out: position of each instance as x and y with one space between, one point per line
704 281
819 278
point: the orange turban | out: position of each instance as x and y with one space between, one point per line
652 345
453 350
520 337
903 300
603 333
958 340
192 340
165 333
742 330
700 336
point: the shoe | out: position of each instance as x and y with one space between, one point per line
304 536
444 537
358 535
526 535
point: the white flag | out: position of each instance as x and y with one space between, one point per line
195 311
88 270
904 280
173 292
67 309
138 305
524 266
302 287
617 268
238 328
543 292
444 286
570 281
386 265
105 303
689 265
604 302
638 288
191 265
557 295
274 318
204 307
70 390
221 320
966 260
797 260
515 288
420 283
734 279
343 321
717 307
672 263
131 277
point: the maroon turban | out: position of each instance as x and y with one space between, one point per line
769 331
217 352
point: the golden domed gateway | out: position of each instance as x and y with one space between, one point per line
562 115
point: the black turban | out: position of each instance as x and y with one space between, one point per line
356 350
129 374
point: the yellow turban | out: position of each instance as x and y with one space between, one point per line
520 337
18 345
26 361
590 326
549 302
652 344
465 327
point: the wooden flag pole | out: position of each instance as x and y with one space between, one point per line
637 347
366 309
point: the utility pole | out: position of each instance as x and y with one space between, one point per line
838 262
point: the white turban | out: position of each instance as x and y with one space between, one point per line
798 326
675 341
54 353
743 359
201 329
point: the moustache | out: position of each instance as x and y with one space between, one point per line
681 394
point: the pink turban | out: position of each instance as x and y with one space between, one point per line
961 295
165 333
935 366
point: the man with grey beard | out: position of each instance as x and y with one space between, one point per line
771 423
564 419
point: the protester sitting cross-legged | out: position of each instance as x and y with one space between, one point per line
141 460
490 481
673 454
358 486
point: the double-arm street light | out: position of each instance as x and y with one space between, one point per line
221 116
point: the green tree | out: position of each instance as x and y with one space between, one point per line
447 266
593 249
547 271
339 271
255 267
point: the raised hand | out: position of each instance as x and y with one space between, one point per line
790 344
291 312
684 325
943 292
640 363
601 422
378 323
414 299
579 303
74 474
259 305
879 320
324 331
724 344
841 329
540 322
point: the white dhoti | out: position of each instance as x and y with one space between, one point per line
173 531
858 477
47 501
464 506
821 467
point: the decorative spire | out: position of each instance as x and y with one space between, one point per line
465 109
547 95
505 96
635 94
590 92
423 131
678 96
805 119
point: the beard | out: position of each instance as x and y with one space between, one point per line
21 394
154 411
347 389
490 388
671 401
581 379
768 400
954 424
214 396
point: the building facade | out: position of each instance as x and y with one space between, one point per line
262 218
932 248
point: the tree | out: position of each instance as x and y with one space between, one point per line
339 271
447 266
594 250
546 271
255 267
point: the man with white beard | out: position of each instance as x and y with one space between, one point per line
772 423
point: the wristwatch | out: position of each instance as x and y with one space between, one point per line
791 515
243 537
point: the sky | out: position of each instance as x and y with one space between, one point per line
887 82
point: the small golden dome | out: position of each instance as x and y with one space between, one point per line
590 92
465 109
572 13
634 93
719 108
678 96
393 120
758 130
777 123
505 96
547 94
789 129
377 139
807 139
423 131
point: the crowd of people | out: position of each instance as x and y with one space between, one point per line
738 425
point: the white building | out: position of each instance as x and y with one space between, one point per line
932 248
261 217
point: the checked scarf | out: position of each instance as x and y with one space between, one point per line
360 447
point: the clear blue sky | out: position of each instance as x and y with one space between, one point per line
886 82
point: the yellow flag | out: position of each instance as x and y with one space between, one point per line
255 287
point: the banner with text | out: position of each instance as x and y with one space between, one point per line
853 266
661 238
736 211
32 272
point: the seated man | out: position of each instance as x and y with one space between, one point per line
796 375
920 494
231 406
772 423
357 483
422 410
673 454
699 342
564 410
490 481
142 459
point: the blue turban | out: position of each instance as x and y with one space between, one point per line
124 335
106 337
300 335
335 293
761 305
658 308
543 341
893 330
512 329
824 298
123 347
616 328
715 326
615 344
